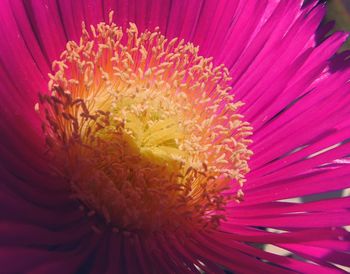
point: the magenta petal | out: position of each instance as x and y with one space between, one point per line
21 76
67 262
316 220
319 254
27 259
296 94
114 256
278 208
99 263
26 234
45 20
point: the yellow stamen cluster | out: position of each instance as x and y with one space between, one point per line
145 129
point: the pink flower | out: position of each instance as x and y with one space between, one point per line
143 155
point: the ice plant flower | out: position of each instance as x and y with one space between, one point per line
170 136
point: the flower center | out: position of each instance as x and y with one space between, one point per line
145 130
